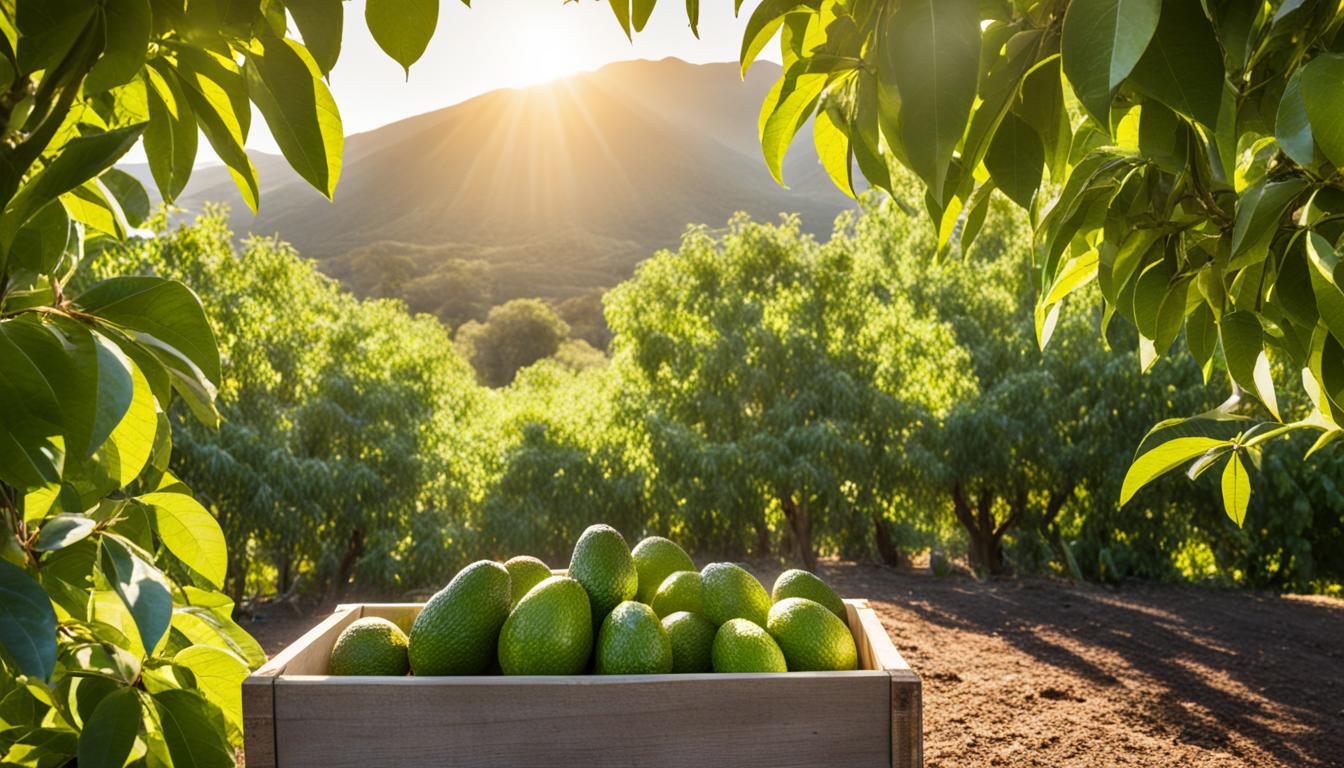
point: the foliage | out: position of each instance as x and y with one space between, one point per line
776 379
111 569
342 421
1192 148
515 334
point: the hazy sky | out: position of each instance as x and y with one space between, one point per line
499 44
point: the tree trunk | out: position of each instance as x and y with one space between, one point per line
886 546
352 552
762 538
800 525
986 550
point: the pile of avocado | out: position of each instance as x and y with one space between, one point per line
618 612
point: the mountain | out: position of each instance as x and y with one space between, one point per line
556 190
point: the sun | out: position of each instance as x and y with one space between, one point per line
536 51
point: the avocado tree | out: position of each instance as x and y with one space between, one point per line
1192 150
111 614
778 381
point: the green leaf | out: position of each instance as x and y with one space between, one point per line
1244 350
762 25
1101 42
27 622
170 137
1292 127
287 87
217 92
785 110
931 52
47 29
402 28
204 625
641 10
219 674
319 23
191 533
111 730
61 531
1161 459
1015 159
1076 273
78 161
1260 209
126 30
1323 95
1236 489
94 206
40 244
129 193
32 446
167 310
1183 65
122 457
141 587
1329 295
831 137
693 16
193 729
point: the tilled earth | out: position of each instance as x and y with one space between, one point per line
1035 672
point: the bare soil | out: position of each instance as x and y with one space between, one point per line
1036 672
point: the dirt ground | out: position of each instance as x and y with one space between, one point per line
1033 672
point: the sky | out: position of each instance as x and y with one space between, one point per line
501 44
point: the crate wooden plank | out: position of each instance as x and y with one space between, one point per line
678 721
865 718
907 696
259 721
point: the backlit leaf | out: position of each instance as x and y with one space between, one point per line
286 85
1236 487
402 28
1101 42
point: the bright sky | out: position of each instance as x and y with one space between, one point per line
499 44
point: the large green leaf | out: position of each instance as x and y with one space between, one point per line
402 28
1101 42
1236 486
1161 459
122 457
217 92
931 53
1292 127
32 446
167 310
206 625
319 23
1324 266
110 732
40 243
61 531
191 533
1183 65
126 30
129 193
193 730
47 29
171 136
94 206
141 586
785 110
219 674
1260 210
27 622
286 85
78 161
764 22
1015 160
1244 350
1323 96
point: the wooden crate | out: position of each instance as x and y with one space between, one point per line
295 715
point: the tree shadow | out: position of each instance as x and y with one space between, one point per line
1218 664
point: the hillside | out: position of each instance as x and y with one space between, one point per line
560 189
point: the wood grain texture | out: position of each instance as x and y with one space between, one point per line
301 717
678 721
259 721
907 697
